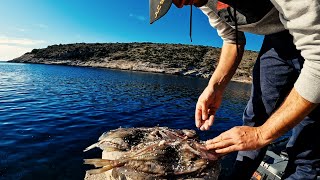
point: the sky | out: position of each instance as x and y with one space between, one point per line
33 24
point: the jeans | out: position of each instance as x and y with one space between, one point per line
277 68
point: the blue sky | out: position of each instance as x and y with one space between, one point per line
29 24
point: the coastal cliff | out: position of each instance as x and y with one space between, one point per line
177 59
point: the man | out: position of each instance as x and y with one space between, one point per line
286 80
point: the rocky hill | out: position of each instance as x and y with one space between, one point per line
161 58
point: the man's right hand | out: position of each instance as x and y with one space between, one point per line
207 105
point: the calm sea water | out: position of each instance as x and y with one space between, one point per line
49 114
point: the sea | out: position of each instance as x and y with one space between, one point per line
50 113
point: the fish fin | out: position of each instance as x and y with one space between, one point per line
98 171
103 136
99 162
91 147
105 163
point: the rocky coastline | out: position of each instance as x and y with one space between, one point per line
188 60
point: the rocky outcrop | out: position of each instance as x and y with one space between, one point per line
160 58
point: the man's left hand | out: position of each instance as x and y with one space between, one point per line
240 138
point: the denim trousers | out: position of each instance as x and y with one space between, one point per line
277 68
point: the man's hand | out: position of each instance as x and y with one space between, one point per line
293 110
236 139
210 100
207 105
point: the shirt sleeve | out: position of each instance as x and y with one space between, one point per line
302 19
225 31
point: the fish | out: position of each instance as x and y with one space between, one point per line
157 153
122 139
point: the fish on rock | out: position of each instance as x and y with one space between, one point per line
122 139
157 153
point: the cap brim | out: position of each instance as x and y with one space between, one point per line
158 8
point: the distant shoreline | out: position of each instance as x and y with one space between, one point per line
246 81
177 59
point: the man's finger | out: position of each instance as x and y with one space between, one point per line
211 120
220 145
198 117
214 140
205 126
226 150
221 137
204 111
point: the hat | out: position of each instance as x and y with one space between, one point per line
158 8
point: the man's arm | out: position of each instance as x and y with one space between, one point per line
210 100
302 19
227 66
294 109
290 113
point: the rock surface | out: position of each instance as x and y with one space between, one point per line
177 59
